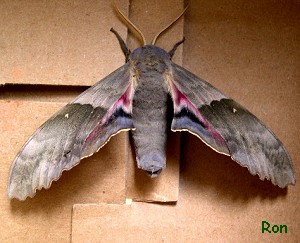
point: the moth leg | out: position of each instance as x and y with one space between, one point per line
172 52
122 43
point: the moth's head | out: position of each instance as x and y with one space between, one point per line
149 55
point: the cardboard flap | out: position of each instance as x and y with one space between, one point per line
128 223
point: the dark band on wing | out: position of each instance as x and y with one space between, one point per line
184 112
121 113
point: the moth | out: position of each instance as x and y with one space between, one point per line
134 97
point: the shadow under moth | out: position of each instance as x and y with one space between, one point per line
134 97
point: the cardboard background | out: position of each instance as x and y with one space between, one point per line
249 50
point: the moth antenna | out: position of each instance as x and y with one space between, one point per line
172 52
122 43
159 33
131 24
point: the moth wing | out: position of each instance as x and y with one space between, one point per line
76 131
227 127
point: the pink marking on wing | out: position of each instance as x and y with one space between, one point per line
182 101
125 101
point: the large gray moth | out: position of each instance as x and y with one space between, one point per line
134 97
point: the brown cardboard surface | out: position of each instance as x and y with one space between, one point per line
185 222
59 42
250 51
127 223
